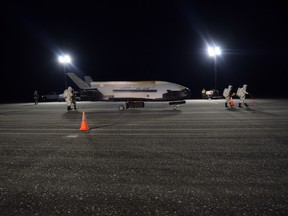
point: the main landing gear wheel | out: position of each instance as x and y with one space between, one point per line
121 107
176 104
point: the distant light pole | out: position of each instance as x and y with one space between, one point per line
64 59
214 52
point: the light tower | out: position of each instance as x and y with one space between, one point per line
214 52
64 59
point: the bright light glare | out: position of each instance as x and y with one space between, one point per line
61 59
217 51
213 51
210 52
64 59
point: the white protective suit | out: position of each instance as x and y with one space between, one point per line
227 94
241 93
35 97
68 97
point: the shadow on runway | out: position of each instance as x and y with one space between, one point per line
108 125
232 109
235 109
72 115
157 112
251 110
110 118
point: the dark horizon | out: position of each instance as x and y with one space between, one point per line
144 40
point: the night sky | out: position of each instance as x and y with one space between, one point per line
144 40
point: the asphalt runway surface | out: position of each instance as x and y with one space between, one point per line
201 159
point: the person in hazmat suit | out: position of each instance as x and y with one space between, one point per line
68 94
35 97
241 93
227 93
74 99
203 93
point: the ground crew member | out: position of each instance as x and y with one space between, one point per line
35 97
227 94
241 93
68 97
73 99
203 92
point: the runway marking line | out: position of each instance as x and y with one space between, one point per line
72 136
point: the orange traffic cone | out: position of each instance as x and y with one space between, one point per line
84 125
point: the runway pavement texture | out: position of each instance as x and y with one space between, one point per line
201 159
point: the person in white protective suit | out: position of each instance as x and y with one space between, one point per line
203 93
68 94
35 97
241 93
73 98
227 94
